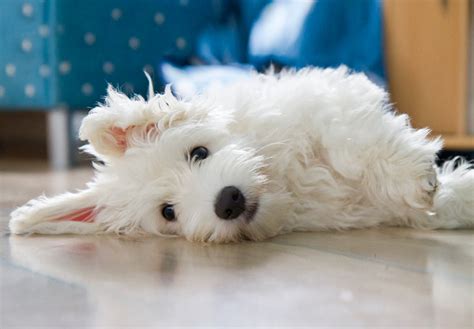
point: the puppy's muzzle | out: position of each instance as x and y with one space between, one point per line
230 203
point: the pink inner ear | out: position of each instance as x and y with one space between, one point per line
81 215
120 136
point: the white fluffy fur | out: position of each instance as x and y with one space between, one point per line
316 149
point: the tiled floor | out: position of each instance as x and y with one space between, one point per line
378 278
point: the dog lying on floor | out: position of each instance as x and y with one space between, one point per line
316 149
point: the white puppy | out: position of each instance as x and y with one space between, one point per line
296 151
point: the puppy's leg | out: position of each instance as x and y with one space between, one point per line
403 177
394 166
66 213
419 194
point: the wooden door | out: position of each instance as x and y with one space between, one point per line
427 62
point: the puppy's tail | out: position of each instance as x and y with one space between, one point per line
453 203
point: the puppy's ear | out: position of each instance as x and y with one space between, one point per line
121 122
66 213
111 140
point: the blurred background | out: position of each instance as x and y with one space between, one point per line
57 56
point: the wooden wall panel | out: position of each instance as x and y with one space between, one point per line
427 53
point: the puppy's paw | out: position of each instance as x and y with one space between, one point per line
27 216
21 219
427 186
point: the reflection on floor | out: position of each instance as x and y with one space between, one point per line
383 277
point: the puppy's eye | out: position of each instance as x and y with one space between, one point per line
168 212
199 153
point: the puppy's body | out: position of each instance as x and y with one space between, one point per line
309 150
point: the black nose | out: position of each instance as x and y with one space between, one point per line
230 203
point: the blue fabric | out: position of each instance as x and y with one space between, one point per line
221 45
19 69
63 52
227 41
187 81
325 33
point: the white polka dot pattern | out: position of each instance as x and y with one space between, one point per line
26 45
10 70
181 43
108 67
87 89
89 38
134 43
128 87
64 67
148 68
116 14
58 52
27 10
30 90
159 18
43 31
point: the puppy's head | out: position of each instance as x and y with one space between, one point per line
169 167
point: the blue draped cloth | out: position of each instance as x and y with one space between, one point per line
290 33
